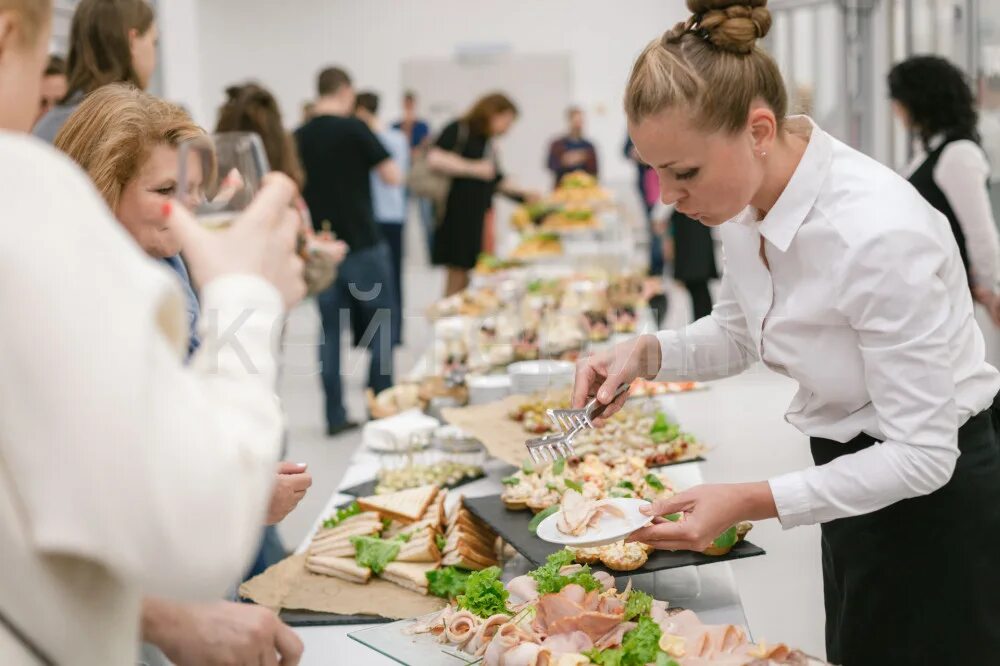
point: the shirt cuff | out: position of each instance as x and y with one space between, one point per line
672 357
791 498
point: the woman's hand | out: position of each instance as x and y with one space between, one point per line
290 487
262 241
602 373
709 510
335 250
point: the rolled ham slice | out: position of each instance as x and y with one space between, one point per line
460 628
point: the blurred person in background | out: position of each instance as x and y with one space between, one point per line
465 151
113 449
338 153
252 108
572 152
111 41
649 187
932 99
127 141
418 133
54 84
388 201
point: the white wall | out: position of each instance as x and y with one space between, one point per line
285 44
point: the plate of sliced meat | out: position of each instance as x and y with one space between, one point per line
586 523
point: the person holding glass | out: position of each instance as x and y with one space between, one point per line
839 275
104 135
113 449
111 41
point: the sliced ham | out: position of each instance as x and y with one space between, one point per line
592 623
523 589
461 627
574 594
436 621
570 643
524 654
659 611
484 634
606 579
578 514
614 637
611 605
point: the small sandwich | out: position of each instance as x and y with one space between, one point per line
409 575
435 513
336 542
469 557
405 506
344 568
421 547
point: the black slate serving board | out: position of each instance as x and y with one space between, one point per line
513 527
302 618
367 488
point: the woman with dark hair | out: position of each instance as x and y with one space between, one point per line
111 41
465 151
933 100
252 108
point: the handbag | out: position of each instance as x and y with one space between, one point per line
425 182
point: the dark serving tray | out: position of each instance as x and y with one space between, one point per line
367 488
302 618
513 527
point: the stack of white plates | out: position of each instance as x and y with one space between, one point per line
484 389
529 377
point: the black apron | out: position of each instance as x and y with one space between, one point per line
918 582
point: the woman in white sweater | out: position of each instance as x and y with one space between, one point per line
122 473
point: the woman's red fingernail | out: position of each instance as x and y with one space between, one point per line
168 208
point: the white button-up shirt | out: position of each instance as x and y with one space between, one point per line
864 301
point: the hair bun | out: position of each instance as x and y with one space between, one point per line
731 25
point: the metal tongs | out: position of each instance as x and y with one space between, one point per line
569 422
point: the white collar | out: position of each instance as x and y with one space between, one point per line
782 222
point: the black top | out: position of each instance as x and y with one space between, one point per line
459 239
923 180
338 154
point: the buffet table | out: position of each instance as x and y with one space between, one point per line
709 590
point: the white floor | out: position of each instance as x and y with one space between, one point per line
741 417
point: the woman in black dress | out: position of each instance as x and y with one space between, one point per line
465 151
694 261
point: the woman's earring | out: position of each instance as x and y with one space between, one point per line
763 153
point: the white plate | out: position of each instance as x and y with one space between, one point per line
609 529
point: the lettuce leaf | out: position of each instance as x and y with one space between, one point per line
639 604
558 466
447 583
639 647
440 541
573 485
342 514
654 482
663 430
551 581
375 553
484 594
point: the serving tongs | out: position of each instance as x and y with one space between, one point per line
569 422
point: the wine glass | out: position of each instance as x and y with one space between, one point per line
220 175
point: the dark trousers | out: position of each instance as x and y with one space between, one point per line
917 583
363 295
392 232
701 298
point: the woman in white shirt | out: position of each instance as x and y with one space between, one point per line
124 473
932 98
839 275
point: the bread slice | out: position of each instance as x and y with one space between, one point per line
334 549
420 548
467 559
435 512
406 506
339 567
409 575
473 540
347 531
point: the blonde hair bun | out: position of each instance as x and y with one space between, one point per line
730 25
